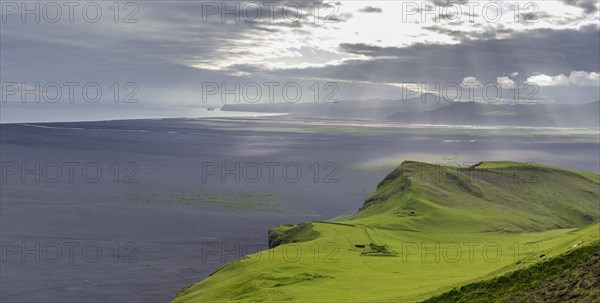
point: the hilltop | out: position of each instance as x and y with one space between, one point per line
426 229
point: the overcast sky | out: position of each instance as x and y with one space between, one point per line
172 51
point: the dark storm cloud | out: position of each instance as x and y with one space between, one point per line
459 35
371 9
156 53
588 6
448 2
166 34
545 51
160 50
541 15
542 51
432 5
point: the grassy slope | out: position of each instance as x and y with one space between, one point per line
571 277
426 229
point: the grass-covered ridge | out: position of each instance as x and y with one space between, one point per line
519 197
570 277
426 229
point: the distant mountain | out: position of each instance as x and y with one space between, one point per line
414 111
348 109
465 113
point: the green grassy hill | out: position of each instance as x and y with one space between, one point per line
571 277
425 230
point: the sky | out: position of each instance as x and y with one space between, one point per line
190 54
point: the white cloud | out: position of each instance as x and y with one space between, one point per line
470 82
506 82
585 79
514 75
576 78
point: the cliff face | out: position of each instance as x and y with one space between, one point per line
285 234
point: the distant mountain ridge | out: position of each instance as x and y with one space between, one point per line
445 112
348 109
585 115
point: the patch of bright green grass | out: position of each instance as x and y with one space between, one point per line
425 230
570 277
